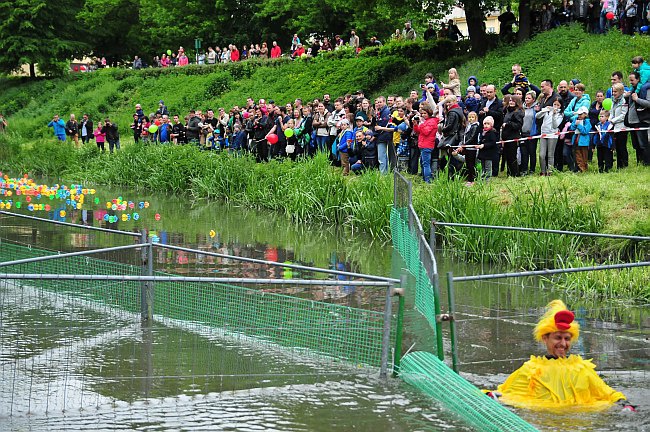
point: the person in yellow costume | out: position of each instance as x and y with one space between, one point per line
558 380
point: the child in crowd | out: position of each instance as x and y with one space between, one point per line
468 147
581 139
604 142
345 140
239 139
100 137
488 147
471 102
643 68
144 134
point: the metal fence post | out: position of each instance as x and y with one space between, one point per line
436 305
150 284
397 355
432 235
452 320
144 253
385 341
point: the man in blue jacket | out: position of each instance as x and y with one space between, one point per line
59 127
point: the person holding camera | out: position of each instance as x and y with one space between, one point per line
59 127
425 125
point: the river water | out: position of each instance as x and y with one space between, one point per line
76 367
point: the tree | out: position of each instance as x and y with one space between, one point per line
33 31
113 27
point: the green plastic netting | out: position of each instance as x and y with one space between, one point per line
406 243
424 370
334 331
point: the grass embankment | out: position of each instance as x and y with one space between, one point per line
311 191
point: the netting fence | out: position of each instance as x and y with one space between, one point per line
426 370
611 298
93 326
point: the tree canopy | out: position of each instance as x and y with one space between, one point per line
38 31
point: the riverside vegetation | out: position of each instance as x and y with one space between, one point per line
312 191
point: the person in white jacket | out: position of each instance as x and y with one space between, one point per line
617 118
551 119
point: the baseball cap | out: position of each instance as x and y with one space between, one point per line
471 89
582 110
359 118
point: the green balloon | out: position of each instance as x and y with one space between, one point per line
169 52
607 104
288 132
153 128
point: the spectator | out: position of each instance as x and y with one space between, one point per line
276 51
528 147
200 59
193 128
100 136
58 126
604 142
264 51
408 33
295 41
212 56
234 54
137 63
639 117
86 129
429 33
454 83
488 147
425 125
453 32
112 135
468 147
617 117
72 130
491 106
510 131
136 127
182 59
344 142
580 100
581 139
383 136
607 7
354 40
162 109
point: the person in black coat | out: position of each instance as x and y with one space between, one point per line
513 120
86 129
492 106
488 146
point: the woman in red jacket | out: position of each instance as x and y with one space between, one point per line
426 126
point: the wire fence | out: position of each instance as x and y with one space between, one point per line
610 299
425 370
87 327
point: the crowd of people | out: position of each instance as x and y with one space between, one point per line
434 127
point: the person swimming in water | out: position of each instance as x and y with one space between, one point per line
558 380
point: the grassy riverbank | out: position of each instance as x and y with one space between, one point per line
312 191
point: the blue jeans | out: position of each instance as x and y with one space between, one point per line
569 157
604 22
425 161
382 155
321 143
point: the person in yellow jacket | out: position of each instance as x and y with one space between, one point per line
558 380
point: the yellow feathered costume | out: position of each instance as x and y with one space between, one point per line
555 383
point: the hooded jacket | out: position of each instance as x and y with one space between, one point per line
571 111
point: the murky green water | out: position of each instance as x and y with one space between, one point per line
85 366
